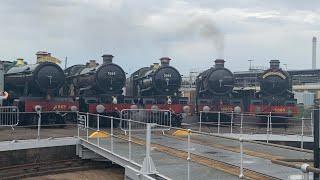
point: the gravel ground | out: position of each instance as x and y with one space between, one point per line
106 174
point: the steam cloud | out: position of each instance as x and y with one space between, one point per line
193 29
209 30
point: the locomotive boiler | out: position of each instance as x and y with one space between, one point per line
36 87
158 87
98 88
35 80
275 96
163 80
107 78
216 81
214 92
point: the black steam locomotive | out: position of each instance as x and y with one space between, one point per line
43 79
99 88
36 87
163 80
275 95
157 87
214 92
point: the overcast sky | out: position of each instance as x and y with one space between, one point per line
139 32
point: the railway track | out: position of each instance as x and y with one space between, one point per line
45 168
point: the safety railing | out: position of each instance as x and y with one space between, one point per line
35 125
188 150
161 117
192 153
253 124
9 116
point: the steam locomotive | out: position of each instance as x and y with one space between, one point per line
216 96
275 94
157 87
35 87
214 92
99 88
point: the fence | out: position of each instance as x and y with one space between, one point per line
193 152
245 123
31 125
198 154
161 117
9 116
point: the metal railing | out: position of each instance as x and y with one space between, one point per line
29 125
246 123
131 137
9 116
186 149
160 117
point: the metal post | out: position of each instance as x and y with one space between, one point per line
148 140
111 134
189 148
304 168
268 127
306 176
188 170
316 145
200 121
129 139
241 175
189 153
1 78
87 126
231 122
148 166
111 126
98 129
311 122
78 124
241 122
219 118
302 132
39 124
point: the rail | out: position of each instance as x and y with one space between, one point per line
9 116
241 123
161 117
191 136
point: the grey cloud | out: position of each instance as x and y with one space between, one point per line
139 32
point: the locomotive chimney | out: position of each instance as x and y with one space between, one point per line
219 63
274 64
107 58
92 63
165 61
42 54
155 65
